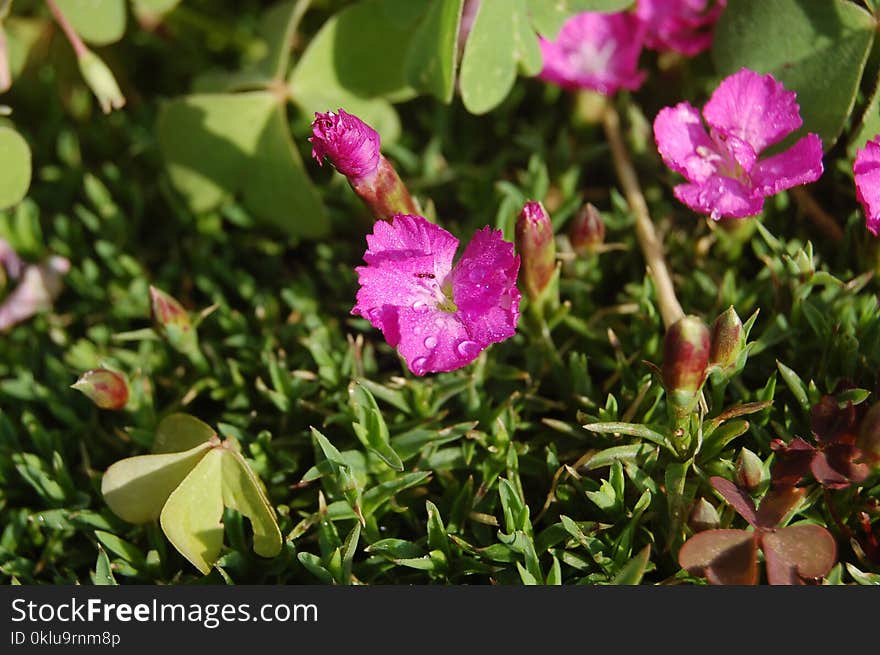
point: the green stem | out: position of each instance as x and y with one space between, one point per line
76 43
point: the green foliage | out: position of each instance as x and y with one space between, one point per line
15 162
822 55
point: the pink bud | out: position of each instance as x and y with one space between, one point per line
107 389
351 145
587 230
685 361
167 310
537 247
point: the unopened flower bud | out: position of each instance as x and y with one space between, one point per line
100 79
173 321
587 231
749 470
107 389
869 437
685 361
352 147
703 516
537 248
728 339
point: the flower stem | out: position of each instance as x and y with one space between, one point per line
814 211
652 249
75 42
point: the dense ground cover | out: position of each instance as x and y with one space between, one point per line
482 474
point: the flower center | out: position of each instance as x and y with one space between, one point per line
591 59
440 296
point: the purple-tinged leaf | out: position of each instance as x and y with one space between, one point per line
801 551
833 467
725 557
737 498
777 503
792 461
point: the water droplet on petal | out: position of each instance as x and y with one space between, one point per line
420 306
430 342
468 349
418 365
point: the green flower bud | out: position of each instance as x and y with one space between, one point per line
685 362
703 516
107 389
100 79
537 247
749 471
587 231
728 339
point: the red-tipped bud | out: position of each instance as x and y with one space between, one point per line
749 471
703 516
107 389
587 231
351 145
173 321
869 437
685 361
537 248
728 339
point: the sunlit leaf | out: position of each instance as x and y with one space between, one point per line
99 22
191 517
15 167
178 432
723 556
243 492
136 488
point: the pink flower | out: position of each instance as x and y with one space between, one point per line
867 172
38 286
595 51
747 113
351 145
684 26
438 316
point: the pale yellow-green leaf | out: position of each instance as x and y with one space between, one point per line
99 22
15 167
136 488
243 492
191 519
179 432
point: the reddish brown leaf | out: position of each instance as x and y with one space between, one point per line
792 461
738 499
808 549
725 557
777 503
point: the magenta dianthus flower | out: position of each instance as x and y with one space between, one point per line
438 316
747 113
867 174
684 26
351 145
595 51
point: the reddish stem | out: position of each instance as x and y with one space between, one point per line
76 43
5 73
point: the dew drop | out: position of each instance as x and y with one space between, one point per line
420 306
418 365
430 342
468 349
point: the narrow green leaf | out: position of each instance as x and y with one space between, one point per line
633 570
795 385
103 574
